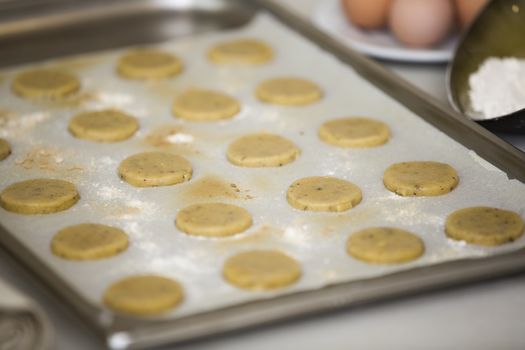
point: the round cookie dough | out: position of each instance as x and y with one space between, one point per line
103 126
88 242
354 132
144 295
45 83
385 245
323 193
39 196
420 178
484 226
261 270
213 219
5 149
205 105
262 150
151 169
288 91
148 64
241 51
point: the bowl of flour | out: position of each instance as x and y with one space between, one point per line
486 78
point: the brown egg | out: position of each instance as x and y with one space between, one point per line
421 23
368 14
468 9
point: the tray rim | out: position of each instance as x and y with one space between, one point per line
123 332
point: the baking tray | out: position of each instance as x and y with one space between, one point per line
83 32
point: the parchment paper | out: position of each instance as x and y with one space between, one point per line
44 148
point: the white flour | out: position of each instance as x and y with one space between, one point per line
498 87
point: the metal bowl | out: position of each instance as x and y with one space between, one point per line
498 31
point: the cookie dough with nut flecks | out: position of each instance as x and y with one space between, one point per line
323 193
39 196
420 178
261 270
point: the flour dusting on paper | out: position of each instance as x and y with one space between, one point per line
317 240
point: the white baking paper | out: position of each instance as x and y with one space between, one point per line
42 147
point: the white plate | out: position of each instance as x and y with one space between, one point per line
378 43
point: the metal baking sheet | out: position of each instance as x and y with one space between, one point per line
44 148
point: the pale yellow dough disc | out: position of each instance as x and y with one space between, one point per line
385 245
144 295
213 219
323 193
39 196
484 226
103 126
149 64
88 242
5 149
45 83
420 178
241 51
288 91
262 150
205 105
261 270
151 169
354 132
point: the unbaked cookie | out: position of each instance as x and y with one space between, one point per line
149 64
103 126
88 242
205 105
213 219
5 149
354 132
288 91
484 225
241 51
45 83
144 295
323 193
39 196
262 150
385 245
420 178
150 169
261 270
